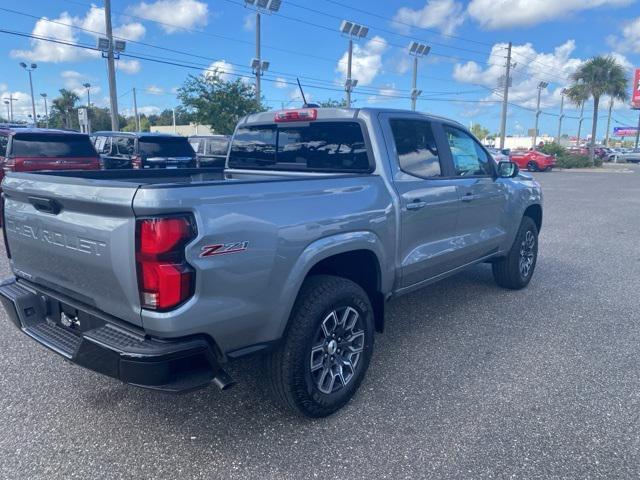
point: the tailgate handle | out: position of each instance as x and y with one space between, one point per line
45 205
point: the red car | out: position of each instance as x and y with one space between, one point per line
30 149
533 160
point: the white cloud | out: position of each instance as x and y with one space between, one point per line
533 66
445 15
74 81
154 90
385 94
630 37
280 83
366 62
495 14
174 15
222 68
43 51
130 67
144 110
249 22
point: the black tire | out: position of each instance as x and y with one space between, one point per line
508 271
289 368
532 166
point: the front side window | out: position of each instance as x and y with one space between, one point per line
469 159
416 147
321 146
217 146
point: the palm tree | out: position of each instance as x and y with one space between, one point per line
64 105
594 78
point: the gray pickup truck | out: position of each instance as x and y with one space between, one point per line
158 278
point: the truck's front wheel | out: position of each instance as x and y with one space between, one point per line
326 352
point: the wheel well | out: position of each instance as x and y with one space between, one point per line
361 267
535 213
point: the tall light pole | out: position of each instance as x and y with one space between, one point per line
606 134
580 122
352 30
31 68
6 102
416 50
46 109
257 65
113 93
173 114
563 92
541 86
88 87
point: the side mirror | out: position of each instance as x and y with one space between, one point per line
508 170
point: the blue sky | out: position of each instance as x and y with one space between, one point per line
550 37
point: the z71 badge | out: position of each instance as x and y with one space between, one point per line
222 248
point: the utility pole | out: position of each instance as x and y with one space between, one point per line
563 92
46 109
11 100
348 85
173 112
541 86
580 122
113 93
6 102
505 97
135 110
258 69
638 131
606 134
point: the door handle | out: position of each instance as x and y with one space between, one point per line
416 205
468 197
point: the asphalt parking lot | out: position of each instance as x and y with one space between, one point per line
468 381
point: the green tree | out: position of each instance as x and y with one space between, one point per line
64 113
594 78
218 103
479 131
333 103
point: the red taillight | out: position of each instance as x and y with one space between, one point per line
305 115
165 279
13 164
136 162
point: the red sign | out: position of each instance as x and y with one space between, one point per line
635 95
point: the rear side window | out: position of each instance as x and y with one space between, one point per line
321 146
217 146
4 140
124 145
103 145
165 147
416 147
197 145
52 145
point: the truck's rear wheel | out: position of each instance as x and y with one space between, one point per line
326 352
516 269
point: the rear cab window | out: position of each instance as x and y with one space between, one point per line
323 146
43 145
165 147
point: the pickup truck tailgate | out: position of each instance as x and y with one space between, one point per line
75 237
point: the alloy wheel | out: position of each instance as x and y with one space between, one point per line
527 254
337 349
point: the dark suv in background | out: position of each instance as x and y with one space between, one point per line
211 150
31 149
143 150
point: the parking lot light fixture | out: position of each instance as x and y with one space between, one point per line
416 50
46 110
29 69
352 30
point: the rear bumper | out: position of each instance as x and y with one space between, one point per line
110 348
